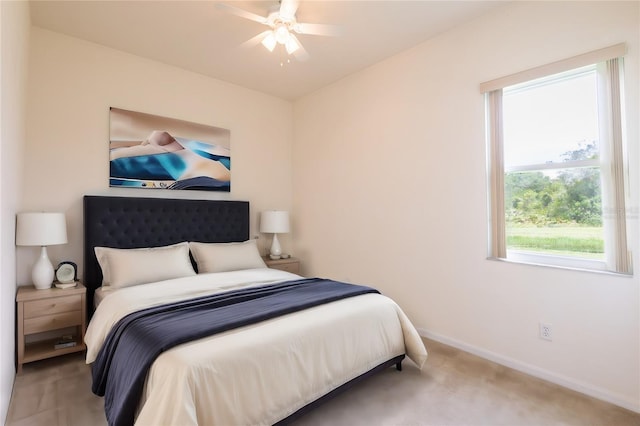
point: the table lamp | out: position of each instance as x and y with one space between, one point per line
41 229
274 222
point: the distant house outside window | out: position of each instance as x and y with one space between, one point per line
556 165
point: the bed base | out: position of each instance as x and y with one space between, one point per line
337 391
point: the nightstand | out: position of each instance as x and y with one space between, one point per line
45 311
291 264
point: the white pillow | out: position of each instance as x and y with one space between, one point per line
128 267
221 257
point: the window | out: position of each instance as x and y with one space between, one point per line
555 161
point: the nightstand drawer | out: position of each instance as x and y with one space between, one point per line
290 264
293 267
52 322
38 308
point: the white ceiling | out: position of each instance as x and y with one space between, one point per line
197 36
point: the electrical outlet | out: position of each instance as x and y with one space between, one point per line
546 331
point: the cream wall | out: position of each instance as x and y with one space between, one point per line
72 84
388 172
14 36
389 190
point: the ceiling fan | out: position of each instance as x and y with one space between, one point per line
283 27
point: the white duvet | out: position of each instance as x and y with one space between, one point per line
262 373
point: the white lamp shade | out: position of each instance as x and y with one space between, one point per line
41 229
270 41
291 45
274 222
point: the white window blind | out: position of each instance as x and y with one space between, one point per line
594 57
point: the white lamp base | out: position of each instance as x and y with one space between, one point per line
42 274
275 251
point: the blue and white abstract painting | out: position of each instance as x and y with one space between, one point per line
149 151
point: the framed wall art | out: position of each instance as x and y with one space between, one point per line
149 151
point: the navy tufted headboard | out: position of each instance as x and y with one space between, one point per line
128 222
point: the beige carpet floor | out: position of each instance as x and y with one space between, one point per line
455 388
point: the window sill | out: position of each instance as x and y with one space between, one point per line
572 264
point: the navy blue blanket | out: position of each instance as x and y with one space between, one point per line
139 338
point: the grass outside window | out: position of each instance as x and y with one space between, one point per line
575 241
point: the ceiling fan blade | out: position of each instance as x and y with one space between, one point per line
242 13
317 29
288 9
254 41
301 54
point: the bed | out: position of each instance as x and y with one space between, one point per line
264 372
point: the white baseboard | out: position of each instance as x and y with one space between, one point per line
538 372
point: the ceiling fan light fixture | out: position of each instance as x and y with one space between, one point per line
283 27
282 34
270 41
